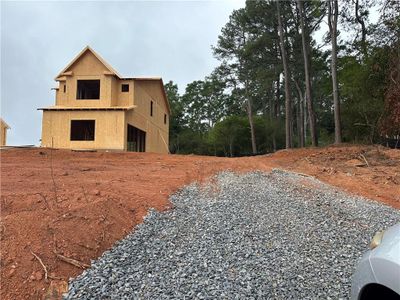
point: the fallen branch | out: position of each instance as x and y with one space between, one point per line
363 157
72 261
84 194
45 200
56 278
52 172
41 262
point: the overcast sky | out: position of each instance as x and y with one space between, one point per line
38 39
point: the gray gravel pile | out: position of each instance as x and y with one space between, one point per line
253 236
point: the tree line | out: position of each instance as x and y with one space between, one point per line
278 87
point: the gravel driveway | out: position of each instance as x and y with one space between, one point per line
253 236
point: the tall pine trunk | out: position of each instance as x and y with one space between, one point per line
250 116
306 52
276 111
301 116
333 12
273 116
288 100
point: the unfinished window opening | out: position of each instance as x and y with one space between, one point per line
82 130
151 108
65 88
125 88
88 89
165 119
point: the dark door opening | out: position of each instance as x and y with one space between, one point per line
136 139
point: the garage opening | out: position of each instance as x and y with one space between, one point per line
88 89
82 130
136 139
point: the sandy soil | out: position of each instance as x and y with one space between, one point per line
58 205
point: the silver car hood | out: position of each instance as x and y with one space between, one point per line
385 259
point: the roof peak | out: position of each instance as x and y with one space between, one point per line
5 124
81 53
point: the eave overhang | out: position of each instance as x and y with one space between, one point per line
64 108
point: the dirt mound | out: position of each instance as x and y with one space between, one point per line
62 209
370 171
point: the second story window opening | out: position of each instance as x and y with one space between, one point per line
125 88
88 89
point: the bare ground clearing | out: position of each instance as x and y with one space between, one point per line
58 205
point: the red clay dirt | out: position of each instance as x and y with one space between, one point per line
58 205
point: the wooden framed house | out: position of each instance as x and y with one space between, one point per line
96 108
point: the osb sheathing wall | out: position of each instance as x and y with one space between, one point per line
88 67
122 98
156 131
109 129
3 133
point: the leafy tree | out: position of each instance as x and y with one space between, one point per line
362 95
195 106
205 102
230 50
193 142
388 38
177 121
267 48
230 135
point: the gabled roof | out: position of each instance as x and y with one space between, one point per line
5 124
114 72
87 48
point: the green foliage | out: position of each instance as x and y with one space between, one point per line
231 136
362 92
211 117
192 142
205 103
388 38
176 122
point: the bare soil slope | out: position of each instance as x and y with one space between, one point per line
61 208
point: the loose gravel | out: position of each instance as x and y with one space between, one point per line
255 236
